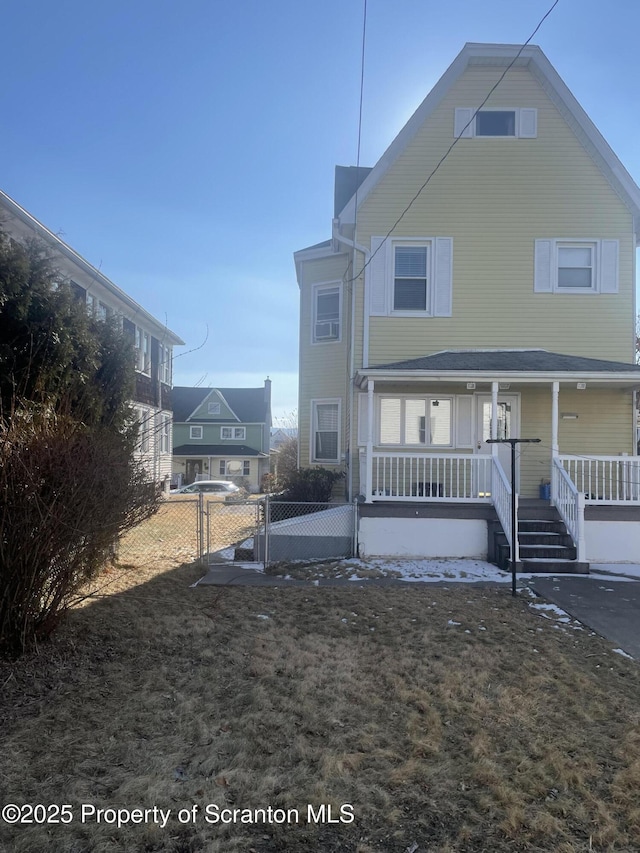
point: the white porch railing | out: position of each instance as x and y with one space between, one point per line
569 501
445 477
501 494
604 479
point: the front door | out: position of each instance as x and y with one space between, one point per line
194 467
508 427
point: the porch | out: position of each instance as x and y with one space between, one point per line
576 417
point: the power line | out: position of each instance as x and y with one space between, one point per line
454 143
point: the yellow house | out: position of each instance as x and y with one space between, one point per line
479 286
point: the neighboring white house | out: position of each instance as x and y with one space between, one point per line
153 341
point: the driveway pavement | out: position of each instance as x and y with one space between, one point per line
609 606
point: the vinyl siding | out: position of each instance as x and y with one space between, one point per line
323 367
495 197
211 435
203 411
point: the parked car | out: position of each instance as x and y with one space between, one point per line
220 487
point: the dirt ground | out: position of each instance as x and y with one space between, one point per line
453 719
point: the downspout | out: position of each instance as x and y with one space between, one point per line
353 246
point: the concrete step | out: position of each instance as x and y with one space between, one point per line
547 552
553 566
540 525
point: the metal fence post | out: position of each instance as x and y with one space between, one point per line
267 512
200 527
355 526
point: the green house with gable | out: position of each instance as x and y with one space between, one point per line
221 434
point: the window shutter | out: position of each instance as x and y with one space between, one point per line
463 116
464 432
609 266
443 277
542 278
377 278
363 411
528 123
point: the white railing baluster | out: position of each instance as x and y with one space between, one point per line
604 479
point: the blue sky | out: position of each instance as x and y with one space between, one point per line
187 149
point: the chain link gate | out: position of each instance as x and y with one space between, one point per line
269 531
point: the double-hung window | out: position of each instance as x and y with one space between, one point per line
410 278
326 313
237 433
195 433
325 425
164 363
416 421
575 266
165 433
142 345
144 430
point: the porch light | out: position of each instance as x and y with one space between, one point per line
581 386
504 386
471 386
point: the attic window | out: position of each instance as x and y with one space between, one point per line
213 408
518 123
496 123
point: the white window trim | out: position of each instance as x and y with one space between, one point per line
419 242
312 445
317 288
193 430
141 366
213 405
233 436
470 131
380 277
164 363
598 273
427 398
223 468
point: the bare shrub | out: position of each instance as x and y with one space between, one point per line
67 493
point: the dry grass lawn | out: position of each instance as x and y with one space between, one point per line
453 719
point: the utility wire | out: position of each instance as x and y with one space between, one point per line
454 143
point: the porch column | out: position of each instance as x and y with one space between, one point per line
494 417
555 393
369 461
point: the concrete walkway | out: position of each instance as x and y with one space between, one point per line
609 606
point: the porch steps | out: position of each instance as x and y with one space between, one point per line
545 545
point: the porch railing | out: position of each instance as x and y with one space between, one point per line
444 477
501 494
604 479
569 500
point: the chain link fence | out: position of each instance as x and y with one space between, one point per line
173 534
266 531
274 532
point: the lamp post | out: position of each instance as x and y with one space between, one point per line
514 520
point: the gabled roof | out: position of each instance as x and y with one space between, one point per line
499 56
537 362
248 404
